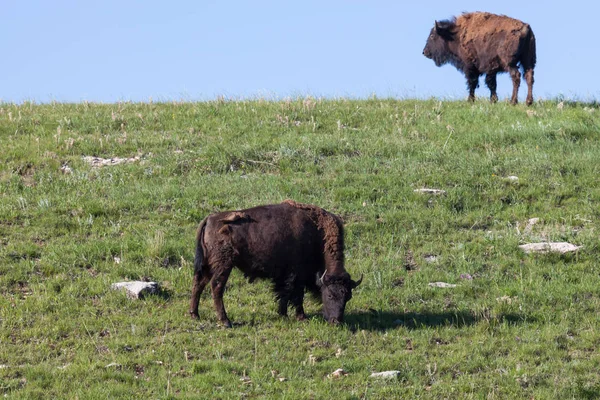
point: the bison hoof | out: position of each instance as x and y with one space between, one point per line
301 317
227 324
194 315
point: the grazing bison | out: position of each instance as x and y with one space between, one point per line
482 43
297 246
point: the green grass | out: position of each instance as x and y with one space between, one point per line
525 326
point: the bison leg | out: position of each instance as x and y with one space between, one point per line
490 81
516 79
472 82
291 292
297 301
218 288
529 80
283 306
199 283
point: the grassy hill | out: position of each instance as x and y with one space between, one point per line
523 326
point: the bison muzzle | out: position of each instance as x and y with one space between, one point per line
297 246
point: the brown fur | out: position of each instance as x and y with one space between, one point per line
483 43
289 243
332 228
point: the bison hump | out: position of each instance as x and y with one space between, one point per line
235 216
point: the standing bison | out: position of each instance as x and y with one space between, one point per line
482 43
297 246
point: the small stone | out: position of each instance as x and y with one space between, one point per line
98 162
65 169
512 178
338 373
385 375
430 258
549 247
435 192
136 289
442 285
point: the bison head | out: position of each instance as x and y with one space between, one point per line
336 291
438 46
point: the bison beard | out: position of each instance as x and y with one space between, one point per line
297 246
482 43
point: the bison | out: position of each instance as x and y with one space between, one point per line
297 246
482 43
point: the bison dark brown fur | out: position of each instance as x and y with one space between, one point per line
297 246
482 43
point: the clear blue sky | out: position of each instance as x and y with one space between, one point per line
112 50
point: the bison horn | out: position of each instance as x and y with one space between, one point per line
358 282
320 279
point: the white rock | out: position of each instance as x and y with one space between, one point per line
512 178
430 191
442 284
136 289
338 373
385 375
431 258
98 162
549 247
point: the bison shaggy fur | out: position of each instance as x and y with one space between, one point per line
299 247
483 43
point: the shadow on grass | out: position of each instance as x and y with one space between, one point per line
164 294
374 320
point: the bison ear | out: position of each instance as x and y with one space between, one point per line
358 282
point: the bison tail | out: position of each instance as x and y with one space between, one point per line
199 258
528 59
